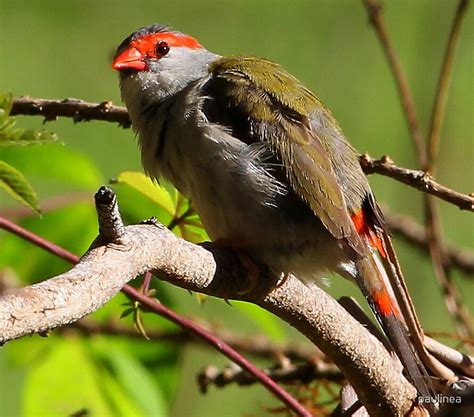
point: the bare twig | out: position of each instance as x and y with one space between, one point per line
432 221
451 295
426 157
374 10
288 373
416 179
439 104
413 233
78 110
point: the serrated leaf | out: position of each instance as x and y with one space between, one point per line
156 193
15 184
12 135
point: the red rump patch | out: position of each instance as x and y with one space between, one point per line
146 44
383 302
364 228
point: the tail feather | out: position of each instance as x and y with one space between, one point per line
381 299
380 278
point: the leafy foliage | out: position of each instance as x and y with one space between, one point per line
15 184
12 135
12 180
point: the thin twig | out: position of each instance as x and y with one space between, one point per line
416 179
78 110
451 295
409 230
432 220
439 105
289 373
255 345
374 10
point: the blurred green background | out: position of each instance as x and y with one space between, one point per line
59 49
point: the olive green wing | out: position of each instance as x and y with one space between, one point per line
281 108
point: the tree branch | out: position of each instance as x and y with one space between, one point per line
439 104
451 294
413 233
78 110
416 179
213 271
374 11
288 373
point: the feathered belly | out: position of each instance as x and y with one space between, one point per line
240 202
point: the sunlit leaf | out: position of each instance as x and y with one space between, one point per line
269 323
55 163
12 135
137 381
15 184
72 383
140 182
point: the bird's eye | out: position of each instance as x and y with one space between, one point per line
161 49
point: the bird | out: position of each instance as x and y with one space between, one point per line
268 170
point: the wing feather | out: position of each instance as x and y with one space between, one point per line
238 88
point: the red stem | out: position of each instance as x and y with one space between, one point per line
181 321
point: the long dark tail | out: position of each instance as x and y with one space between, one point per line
372 281
380 280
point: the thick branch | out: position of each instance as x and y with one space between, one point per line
103 271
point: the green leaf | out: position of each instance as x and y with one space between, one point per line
11 135
269 323
72 380
137 381
140 182
15 184
57 164
123 405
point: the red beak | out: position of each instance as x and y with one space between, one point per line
130 59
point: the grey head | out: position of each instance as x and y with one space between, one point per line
157 62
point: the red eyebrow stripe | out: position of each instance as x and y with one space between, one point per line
146 44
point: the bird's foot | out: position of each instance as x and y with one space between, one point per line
250 266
